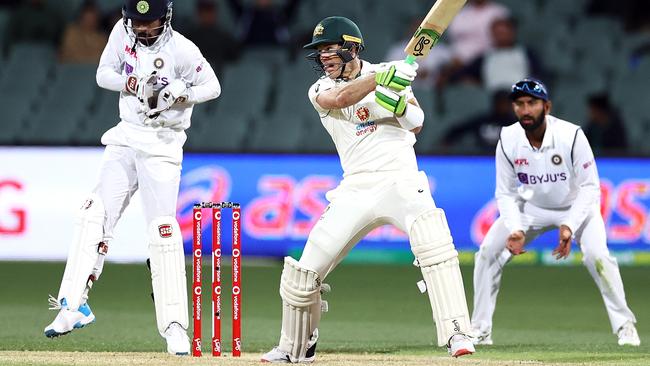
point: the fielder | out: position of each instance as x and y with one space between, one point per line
372 116
546 179
160 76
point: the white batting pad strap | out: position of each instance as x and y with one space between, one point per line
83 254
447 296
431 240
168 272
301 307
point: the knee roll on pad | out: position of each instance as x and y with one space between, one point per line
86 254
431 240
301 307
168 272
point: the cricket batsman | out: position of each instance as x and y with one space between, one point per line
372 116
160 76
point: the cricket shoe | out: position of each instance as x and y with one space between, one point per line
627 335
480 338
276 355
177 341
460 345
67 320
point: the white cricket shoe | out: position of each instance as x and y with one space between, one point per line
177 341
480 338
627 335
67 320
460 345
277 355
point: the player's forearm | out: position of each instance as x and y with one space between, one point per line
588 198
204 92
107 78
350 94
509 210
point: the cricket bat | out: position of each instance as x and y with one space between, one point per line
431 29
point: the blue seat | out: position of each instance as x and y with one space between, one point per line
103 115
216 132
245 87
67 101
280 132
15 111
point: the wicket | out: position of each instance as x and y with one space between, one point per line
197 242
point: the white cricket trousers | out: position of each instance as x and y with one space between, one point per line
590 236
361 203
138 159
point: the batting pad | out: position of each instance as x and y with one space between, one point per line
431 240
301 308
434 250
447 297
168 272
84 257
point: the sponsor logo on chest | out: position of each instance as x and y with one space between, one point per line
532 179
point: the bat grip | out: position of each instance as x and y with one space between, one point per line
410 59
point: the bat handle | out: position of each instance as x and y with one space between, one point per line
410 59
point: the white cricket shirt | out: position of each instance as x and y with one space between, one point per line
560 175
368 138
177 58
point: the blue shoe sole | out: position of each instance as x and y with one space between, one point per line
53 334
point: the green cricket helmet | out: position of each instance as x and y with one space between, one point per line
336 30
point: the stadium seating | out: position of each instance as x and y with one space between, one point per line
218 132
279 132
62 109
104 114
245 87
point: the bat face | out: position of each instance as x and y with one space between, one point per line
432 27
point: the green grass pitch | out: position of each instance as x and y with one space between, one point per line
547 315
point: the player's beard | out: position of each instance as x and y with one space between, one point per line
148 38
537 121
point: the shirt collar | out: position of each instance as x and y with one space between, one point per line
549 138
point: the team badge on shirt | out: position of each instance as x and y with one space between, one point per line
158 63
556 159
363 114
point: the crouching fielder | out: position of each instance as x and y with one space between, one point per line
160 76
371 114
546 179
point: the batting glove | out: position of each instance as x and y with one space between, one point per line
397 76
392 101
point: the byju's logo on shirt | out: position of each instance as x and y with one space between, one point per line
544 178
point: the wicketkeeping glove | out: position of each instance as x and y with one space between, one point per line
175 92
141 87
392 101
397 76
